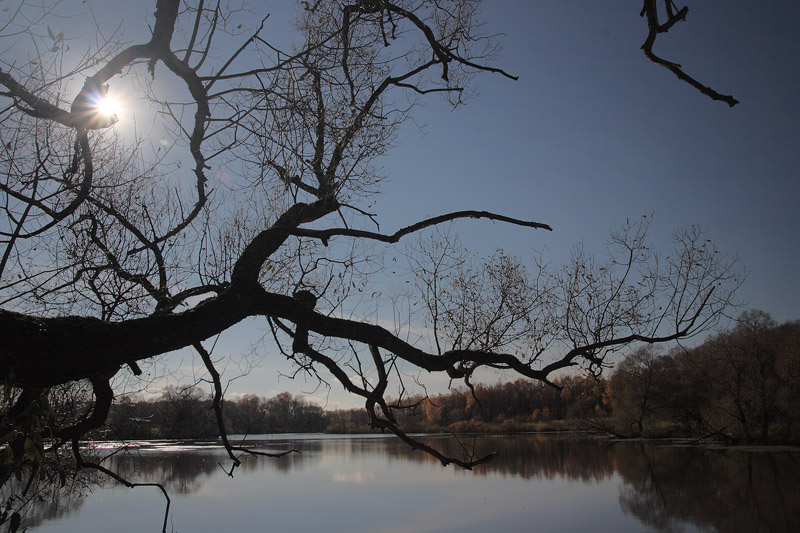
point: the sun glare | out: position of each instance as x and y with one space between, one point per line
108 106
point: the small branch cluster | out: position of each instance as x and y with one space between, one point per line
674 15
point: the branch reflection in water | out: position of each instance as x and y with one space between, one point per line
558 482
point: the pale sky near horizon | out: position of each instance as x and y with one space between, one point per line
592 133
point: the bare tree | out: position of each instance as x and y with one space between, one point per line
256 204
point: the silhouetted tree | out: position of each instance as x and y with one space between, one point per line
257 205
247 415
738 384
638 388
749 373
184 413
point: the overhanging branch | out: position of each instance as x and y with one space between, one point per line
650 11
325 235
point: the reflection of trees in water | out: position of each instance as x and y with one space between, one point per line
549 457
727 490
49 495
185 472
525 456
178 472
664 487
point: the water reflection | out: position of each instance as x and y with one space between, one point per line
531 457
185 469
662 487
47 496
728 490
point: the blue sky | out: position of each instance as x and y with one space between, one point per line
592 134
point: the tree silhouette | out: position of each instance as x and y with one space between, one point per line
116 250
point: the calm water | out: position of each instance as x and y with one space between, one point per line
538 483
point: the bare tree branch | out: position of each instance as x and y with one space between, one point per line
650 11
118 250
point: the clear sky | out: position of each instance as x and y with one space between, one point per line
592 133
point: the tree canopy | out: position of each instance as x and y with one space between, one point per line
116 249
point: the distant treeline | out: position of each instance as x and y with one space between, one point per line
186 413
522 405
739 385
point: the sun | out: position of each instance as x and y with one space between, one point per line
108 106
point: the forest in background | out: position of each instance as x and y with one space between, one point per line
739 385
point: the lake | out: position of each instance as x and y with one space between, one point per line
542 482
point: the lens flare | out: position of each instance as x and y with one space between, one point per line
108 106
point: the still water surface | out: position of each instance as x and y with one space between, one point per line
369 484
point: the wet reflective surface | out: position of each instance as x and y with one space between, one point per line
537 483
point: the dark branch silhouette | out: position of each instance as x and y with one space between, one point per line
650 12
114 253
